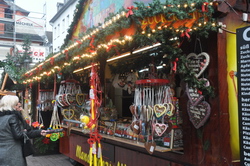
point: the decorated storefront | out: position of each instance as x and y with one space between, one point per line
144 83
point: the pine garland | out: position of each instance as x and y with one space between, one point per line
168 47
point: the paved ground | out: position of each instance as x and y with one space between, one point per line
48 160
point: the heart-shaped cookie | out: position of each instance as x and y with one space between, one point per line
170 109
198 114
80 98
198 63
160 128
59 100
132 109
68 113
194 95
159 110
150 147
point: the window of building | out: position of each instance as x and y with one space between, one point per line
55 33
58 30
63 25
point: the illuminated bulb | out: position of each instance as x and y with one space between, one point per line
177 30
123 13
185 5
205 23
149 35
165 26
153 30
178 5
213 24
199 24
165 7
192 4
143 32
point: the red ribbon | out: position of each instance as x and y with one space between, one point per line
130 11
92 39
109 48
79 43
185 33
204 7
175 64
52 61
66 54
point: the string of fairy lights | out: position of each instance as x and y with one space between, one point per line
76 44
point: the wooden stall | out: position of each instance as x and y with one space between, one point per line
165 87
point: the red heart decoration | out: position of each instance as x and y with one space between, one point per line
150 147
198 114
198 63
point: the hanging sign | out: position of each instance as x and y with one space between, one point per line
243 75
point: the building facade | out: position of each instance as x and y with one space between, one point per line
61 22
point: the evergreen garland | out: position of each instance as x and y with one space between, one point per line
168 49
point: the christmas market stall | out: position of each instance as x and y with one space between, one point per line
145 83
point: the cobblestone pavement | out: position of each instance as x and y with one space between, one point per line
48 160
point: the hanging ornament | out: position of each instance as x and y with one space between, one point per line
198 114
198 63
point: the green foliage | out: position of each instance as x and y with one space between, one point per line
15 64
43 144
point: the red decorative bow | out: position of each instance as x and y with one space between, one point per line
79 43
185 33
52 61
204 7
175 65
66 54
109 47
92 39
200 92
130 11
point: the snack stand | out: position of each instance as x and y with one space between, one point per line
173 111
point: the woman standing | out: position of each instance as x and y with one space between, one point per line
11 133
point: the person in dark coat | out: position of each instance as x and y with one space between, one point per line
12 127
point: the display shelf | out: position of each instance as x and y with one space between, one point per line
128 141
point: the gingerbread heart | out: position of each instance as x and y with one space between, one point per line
194 95
132 109
198 63
150 147
160 128
59 100
198 114
68 113
159 110
170 109
80 98
136 127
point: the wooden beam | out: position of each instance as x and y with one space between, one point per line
4 82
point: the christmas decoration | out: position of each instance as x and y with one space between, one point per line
176 21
